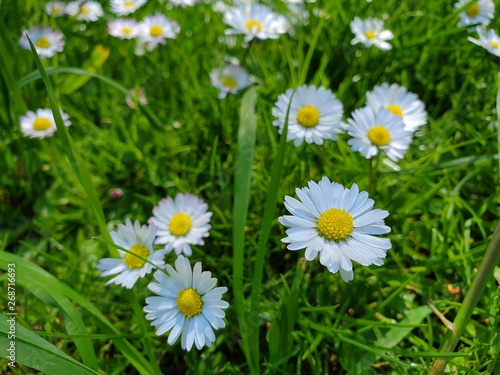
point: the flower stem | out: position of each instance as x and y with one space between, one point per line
490 259
370 177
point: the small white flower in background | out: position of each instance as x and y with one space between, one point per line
255 21
371 32
183 3
125 28
338 224
480 12
488 39
187 305
315 115
138 240
381 130
41 124
56 8
400 102
155 30
136 96
229 79
125 7
85 10
181 222
46 41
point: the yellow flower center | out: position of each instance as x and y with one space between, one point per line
494 44
229 82
473 11
379 136
84 10
335 224
370 34
395 109
254 24
42 43
156 30
189 302
128 4
126 30
132 261
180 224
42 123
56 10
308 116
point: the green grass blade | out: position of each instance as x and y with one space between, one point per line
242 182
34 352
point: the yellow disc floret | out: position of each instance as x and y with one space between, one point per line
156 31
84 10
254 24
370 34
379 136
335 224
495 44
189 302
395 109
126 30
473 11
308 116
128 4
229 82
134 262
42 123
180 224
42 43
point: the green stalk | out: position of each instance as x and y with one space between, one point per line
498 122
450 341
310 52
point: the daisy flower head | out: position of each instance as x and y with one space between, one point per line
41 124
315 115
229 79
181 222
125 7
47 41
125 28
128 268
400 102
255 21
187 304
480 12
85 10
155 30
337 223
382 130
55 8
371 32
488 39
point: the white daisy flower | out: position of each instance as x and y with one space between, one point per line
400 102
337 223
371 32
47 41
488 39
382 130
187 304
41 124
255 21
85 10
229 79
315 115
138 240
181 222
183 3
125 7
480 12
155 29
125 28
55 8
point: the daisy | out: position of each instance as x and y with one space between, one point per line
315 115
138 240
371 32
85 10
125 28
55 8
489 40
187 304
181 222
480 12
183 3
124 7
47 41
382 130
41 124
337 223
400 102
255 21
229 79
155 29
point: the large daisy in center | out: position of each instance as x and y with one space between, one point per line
338 224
